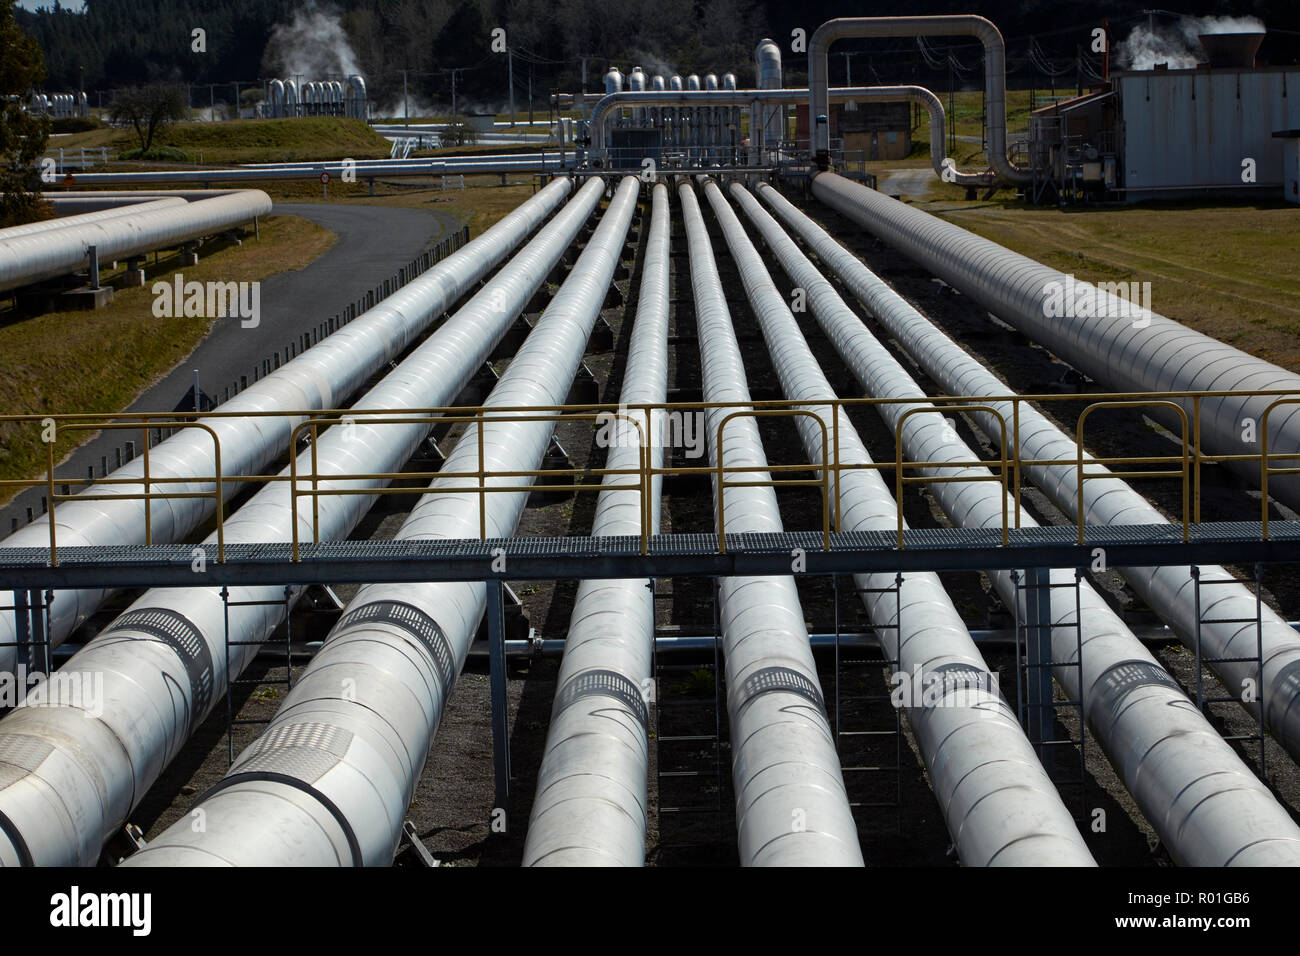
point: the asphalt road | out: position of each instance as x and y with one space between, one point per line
374 242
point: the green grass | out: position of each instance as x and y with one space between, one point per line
100 361
250 141
1231 271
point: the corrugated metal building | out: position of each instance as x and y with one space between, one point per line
1205 130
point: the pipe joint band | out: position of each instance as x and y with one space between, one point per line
1128 676
179 633
267 776
770 679
16 841
605 683
415 622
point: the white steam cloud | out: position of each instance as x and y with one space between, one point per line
651 64
1176 44
312 45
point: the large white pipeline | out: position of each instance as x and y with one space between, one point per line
1207 806
995 80
324 376
89 217
590 808
1128 353
26 259
791 805
330 781
469 165
1001 807
1169 591
163 663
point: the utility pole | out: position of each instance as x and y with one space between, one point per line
848 69
510 56
236 99
530 94
406 103
453 97
581 100
212 101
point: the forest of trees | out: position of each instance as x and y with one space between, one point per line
121 43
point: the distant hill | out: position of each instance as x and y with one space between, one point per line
122 42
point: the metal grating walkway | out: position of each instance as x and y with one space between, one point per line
930 549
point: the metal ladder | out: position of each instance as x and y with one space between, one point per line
871 755
232 682
701 768
1202 662
1036 705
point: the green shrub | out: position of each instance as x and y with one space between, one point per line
75 124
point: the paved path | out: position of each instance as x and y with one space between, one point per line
906 182
374 242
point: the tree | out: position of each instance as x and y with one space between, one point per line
22 134
149 109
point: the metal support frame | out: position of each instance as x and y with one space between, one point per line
713 740
890 661
231 683
496 622
31 610
1035 701
671 555
1202 662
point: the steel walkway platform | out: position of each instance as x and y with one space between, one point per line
675 555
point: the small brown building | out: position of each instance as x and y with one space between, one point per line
877 130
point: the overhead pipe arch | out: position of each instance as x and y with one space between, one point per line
995 80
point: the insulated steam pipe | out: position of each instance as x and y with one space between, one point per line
330 781
590 808
322 377
1207 806
791 805
164 663
1001 807
31 258
938 135
86 217
1128 353
437 167
995 80
766 124
1229 608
